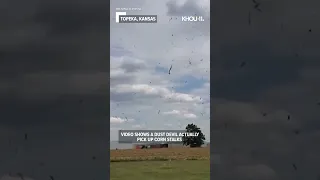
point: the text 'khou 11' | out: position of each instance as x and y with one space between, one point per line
154 136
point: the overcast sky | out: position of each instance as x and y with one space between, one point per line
143 95
281 77
54 86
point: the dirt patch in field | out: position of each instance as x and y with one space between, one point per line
160 154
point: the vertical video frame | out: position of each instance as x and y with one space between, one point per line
159 90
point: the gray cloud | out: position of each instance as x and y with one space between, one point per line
280 78
188 8
132 67
42 36
54 87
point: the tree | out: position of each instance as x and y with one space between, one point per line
193 141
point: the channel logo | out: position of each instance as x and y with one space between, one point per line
192 18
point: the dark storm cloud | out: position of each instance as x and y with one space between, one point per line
74 109
54 87
122 97
132 67
189 8
62 21
263 70
117 51
44 86
280 78
53 32
121 78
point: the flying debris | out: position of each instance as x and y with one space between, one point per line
190 62
253 153
296 131
310 30
20 175
93 157
51 177
264 114
289 117
25 136
256 5
159 112
294 167
170 19
170 69
243 64
41 164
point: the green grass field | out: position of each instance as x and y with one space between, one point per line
161 170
